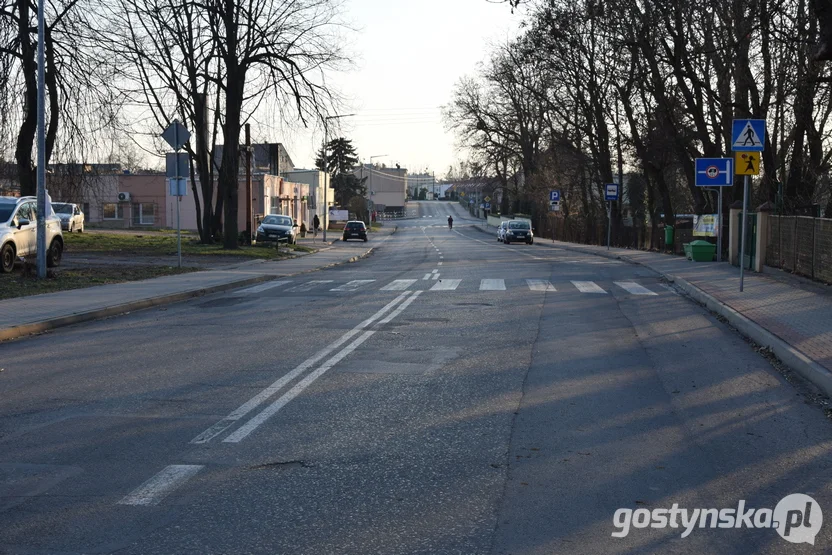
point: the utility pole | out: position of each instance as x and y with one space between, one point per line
41 176
249 225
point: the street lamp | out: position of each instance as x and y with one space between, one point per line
326 170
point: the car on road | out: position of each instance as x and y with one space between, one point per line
18 232
518 230
501 231
355 230
72 218
276 227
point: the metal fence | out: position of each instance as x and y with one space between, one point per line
802 245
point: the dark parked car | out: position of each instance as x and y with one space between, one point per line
275 227
518 230
355 230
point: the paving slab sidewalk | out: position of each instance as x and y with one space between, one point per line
37 313
792 317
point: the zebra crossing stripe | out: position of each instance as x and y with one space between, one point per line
427 277
353 285
633 288
492 285
446 285
262 287
399 285
540 285
588 287
309 285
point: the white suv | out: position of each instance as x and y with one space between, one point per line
72 219
18 232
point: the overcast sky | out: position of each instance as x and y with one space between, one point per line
410 53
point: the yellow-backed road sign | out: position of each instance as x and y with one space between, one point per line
747 163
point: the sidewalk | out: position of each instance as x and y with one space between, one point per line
38 313
790 315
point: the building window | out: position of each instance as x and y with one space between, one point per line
113 211
147 213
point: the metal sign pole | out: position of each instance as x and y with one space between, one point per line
719 226
609 222
41 157
744 230
178 200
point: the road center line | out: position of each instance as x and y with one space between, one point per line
159 486
243 431
261 397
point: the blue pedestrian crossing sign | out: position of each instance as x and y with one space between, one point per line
714 172
749 135
554 196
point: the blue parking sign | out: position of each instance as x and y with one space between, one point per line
554 196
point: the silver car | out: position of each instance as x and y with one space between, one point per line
18 232
72 218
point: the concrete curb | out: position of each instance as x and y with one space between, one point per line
790 356
160 300
61 321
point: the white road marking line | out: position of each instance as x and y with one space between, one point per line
438 263
427 277
587 287
353 285
446 285
262 287
435 277
279 384
435 272
399 285
540 285
441 257
243 431
308 285
492 285
633 288
159 486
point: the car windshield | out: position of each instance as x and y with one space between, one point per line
62 208
6 211
355 225
277 220
518 225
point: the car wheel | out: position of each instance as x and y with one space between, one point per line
7 258
81 229
531 242
53 255
365 239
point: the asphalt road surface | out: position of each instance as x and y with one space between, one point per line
448 394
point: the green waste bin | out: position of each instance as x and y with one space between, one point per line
668 236
702 251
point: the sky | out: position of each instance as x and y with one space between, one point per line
409 54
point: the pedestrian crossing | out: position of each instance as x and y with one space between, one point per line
435 282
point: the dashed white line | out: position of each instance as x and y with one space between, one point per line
353 285
435 277
161 485
427 277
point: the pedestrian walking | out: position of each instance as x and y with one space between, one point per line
316 224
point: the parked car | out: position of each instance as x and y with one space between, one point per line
501 231
18 232
275 227
72 219
518 230
355 230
